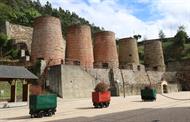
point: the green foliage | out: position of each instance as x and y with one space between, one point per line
161 35
141 54
5 12
7 48
5 86
181 37
18 11
36 68
137 36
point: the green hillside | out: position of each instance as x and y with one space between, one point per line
24 11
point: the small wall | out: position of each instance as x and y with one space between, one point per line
173 88
70 81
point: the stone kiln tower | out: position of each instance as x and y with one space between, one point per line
48 42
105 50
153 55
128 51
79 48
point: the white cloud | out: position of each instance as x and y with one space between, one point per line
119 18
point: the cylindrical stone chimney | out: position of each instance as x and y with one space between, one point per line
48 42
79 46
153 55
105 50
128 51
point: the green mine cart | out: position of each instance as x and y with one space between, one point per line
148 94
42 105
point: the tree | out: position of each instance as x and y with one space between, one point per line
181 37
6 48
48 9
161 35
138 36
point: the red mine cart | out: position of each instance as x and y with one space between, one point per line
101 99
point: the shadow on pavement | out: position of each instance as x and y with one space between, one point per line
138 101
19 118
175 114
84 108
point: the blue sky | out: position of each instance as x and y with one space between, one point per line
129 17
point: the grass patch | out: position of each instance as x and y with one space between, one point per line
5 89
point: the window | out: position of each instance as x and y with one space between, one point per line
138 67
76 62
155 68
104 65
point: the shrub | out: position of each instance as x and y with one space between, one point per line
102 87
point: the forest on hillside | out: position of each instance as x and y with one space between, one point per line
24 11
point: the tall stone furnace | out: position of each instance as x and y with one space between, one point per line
48 42
128 51
79 46
105 50
153 55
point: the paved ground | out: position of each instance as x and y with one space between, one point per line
130 109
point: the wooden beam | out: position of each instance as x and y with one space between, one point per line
25 91
13 91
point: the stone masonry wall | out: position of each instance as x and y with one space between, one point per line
21 34
135 80
182 68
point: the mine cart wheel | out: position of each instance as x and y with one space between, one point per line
35 115
107 104
40 114
53 112
50 113
95 105
31 115
101 105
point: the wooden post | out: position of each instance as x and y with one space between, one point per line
13 91
25 91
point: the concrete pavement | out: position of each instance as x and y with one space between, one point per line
129 109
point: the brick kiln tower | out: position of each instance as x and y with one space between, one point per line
48 42
105 50
128 51
79 48
153 55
